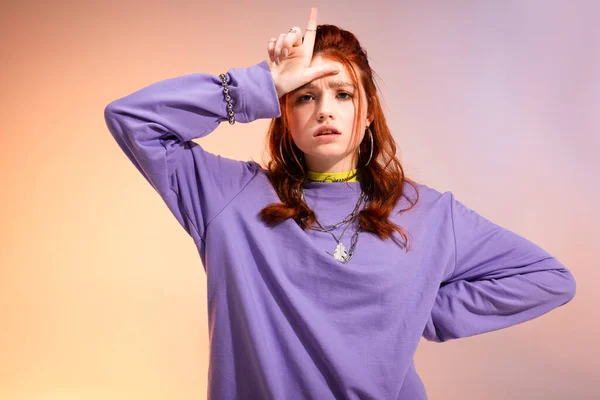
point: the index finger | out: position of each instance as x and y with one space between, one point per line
310 34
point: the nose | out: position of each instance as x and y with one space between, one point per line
324 109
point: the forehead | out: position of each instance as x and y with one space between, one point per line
340 79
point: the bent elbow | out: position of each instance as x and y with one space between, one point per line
569 285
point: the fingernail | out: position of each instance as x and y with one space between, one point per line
285 53
277 60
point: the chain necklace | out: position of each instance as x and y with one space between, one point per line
340 253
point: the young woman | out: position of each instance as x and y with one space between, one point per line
326 268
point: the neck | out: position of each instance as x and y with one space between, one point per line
330 164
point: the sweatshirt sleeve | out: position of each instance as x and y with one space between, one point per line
154 127
500 279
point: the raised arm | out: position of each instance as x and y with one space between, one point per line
155 126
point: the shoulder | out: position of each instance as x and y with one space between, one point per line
424 197
261 183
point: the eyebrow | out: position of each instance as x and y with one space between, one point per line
330 84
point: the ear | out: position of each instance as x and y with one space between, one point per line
370 119
371 114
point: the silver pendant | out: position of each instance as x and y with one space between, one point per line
340 253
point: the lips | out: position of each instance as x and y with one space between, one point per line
326 130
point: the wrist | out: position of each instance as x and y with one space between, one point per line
255 92
278 89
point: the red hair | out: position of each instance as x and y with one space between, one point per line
382 180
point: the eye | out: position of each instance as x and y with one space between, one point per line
345 95
304 98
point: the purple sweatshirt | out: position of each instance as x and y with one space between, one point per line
286 320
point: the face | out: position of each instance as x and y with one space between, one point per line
328 102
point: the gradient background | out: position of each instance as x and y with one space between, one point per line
102 293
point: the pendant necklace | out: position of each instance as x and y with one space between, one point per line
340 254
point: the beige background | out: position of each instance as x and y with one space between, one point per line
102 293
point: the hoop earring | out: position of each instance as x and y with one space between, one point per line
370 155
281 153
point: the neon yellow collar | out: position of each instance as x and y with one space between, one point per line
332 176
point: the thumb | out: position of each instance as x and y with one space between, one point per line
321 71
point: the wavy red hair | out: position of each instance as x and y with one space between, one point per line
382 180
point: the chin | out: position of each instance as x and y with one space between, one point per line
327 153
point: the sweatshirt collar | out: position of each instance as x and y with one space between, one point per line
332 176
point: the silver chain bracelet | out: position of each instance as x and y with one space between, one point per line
227 98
